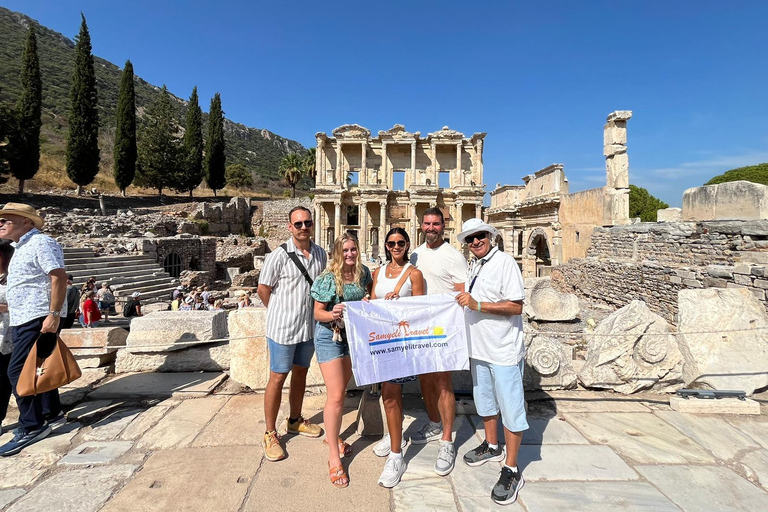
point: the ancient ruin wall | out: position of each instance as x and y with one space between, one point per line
274 217
579 214
652 262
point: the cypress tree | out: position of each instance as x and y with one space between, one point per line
125 131
215 161
6 126
83 140
158 149
25 138
191 172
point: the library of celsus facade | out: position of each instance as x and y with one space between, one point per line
369 185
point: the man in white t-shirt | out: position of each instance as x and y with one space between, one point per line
445 271
493 306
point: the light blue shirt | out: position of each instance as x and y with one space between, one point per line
29 282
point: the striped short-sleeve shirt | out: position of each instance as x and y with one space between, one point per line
290 315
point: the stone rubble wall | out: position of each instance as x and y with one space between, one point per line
273 223
223 219
653 262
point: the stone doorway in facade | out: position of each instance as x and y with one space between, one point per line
538 248
173 265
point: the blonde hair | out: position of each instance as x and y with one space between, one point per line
337 262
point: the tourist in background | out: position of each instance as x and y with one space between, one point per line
346 279
218 305
493 305
178 293
90 314
199 304
37 287
445 270
245 300
105 299
6 345
133 306
284 286
188 303
90 284
73 303
397 279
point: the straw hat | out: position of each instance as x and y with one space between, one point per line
23 210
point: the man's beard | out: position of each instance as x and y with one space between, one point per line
433 237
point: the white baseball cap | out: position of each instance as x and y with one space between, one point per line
136 294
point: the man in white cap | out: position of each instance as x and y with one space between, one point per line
493 305
36 292
133 306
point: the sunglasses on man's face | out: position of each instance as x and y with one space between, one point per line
5 221
470 239
306 223
400 243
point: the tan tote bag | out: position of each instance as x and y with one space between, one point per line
41 375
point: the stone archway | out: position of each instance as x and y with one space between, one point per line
538 251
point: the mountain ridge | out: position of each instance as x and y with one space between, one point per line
258 149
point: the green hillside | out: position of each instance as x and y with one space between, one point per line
259 150
754 173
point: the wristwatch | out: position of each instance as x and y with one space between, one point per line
55 313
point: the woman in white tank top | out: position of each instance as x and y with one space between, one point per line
385 286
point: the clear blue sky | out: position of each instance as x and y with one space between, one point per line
539 77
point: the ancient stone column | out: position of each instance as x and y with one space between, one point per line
435 166
459 216
337 174
382 223
479 211
363 180
414 223
337 220
413 162
457 175
318 209
384 165
479 169
617 166
364 229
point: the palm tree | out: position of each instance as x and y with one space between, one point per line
308 164
290 170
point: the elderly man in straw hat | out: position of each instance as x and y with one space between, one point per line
493 303
36 291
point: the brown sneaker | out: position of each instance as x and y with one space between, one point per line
273 450
304 428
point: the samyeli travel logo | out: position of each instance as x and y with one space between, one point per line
403 332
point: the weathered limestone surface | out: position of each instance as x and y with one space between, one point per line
734 200
545 303
91 342
84 490
163 330
212 357
669 215
632 349
549 363
731 360
249 364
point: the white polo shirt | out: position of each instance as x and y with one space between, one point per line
495 339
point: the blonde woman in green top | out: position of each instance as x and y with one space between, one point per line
345 280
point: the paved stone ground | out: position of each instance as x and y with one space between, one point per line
195 452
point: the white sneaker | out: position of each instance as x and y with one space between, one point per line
431 431
383 447
393 472
446 458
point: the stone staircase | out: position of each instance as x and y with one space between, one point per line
125 274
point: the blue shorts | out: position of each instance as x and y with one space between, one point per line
326 348
283 357
496 387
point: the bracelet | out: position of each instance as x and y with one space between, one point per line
479 307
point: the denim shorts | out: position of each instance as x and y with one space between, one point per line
326 348
283 357
496 387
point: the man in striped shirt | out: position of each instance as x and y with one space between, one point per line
284 285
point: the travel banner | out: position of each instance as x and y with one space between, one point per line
390 339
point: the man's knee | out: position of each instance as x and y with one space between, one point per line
277 379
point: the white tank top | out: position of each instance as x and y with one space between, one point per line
384 285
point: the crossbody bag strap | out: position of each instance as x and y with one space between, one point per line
401 282
295 260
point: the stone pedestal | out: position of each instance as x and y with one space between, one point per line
371 419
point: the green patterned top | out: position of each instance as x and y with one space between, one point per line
324 289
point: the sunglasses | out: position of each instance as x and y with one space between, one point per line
5 221
399 243
306 223
470 239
